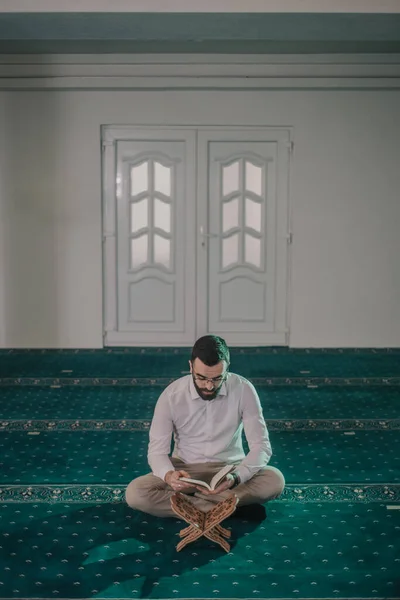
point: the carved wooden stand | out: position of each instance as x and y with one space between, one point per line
203 523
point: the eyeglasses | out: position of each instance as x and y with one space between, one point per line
213 380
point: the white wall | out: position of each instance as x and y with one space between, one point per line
345 182
346 213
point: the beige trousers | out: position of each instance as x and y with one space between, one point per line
151 495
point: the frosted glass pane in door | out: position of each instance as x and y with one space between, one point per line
230 179
230 215
162 179
139 215
230 250
139 251
253 178
162 215
253 214
252 250
162 251
140 178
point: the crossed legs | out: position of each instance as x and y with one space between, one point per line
151 495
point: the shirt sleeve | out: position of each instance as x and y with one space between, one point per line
256 433
160 438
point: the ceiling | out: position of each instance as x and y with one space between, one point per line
228 33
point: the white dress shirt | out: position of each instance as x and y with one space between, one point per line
209 430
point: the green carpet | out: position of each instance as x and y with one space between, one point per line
74 432
108 551
281 363
123 402
119 456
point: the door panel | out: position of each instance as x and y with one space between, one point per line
154 240
245 234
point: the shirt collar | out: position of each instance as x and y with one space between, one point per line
194 393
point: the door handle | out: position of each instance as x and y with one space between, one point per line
207 235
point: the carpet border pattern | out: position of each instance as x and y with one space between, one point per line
95 494
130 425
311 382
185 350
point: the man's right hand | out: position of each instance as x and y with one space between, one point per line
172 479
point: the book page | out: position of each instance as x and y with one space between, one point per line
220 475
195 482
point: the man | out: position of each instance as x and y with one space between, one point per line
205 412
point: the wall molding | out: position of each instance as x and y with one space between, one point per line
236 6
152 72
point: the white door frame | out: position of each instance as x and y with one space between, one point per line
110 133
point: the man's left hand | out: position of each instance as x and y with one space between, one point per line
225 485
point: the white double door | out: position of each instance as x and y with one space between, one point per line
195 235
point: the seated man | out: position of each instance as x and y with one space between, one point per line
205 412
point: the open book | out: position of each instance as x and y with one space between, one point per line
215 481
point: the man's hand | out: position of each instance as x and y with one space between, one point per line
172 479
226 484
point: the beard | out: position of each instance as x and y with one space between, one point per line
206 394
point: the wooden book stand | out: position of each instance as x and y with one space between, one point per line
203 523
